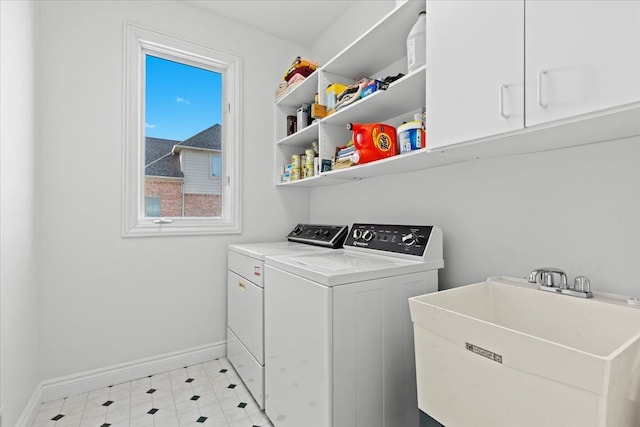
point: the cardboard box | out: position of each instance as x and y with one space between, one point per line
332 93
370 88
318 111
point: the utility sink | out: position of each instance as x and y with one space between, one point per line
503 353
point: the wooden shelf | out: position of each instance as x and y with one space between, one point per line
383 44
403 95
302 137
303 93
602 126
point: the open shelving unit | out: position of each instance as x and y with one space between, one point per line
378 53
406 97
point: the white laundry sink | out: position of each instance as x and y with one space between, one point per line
503 353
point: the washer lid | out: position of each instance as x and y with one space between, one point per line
340 267
260 250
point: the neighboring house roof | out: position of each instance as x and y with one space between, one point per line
208 138
159 153
158 158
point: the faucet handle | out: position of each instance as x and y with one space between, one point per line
546 278
582 284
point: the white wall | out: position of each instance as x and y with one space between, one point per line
107 299
349 27
19 293
575 208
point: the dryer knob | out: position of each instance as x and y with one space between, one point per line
409 240
367 235
357 234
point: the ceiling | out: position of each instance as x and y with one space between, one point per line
302 21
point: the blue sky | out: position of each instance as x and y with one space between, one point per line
180 100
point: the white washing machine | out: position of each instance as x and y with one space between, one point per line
339 346
245 307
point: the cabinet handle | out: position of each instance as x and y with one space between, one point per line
242 286
503 87
540 74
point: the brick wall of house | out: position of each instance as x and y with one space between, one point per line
170 194
202 204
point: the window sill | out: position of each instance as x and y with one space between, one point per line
181 227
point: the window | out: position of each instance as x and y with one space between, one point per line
182 137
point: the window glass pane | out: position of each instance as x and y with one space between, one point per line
153 206
216 165
183 129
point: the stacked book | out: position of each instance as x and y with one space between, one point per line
343 157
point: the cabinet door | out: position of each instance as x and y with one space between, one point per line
581 56
475 69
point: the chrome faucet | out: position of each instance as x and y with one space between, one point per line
544 277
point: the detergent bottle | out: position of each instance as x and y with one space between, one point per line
411 136
373 141
417 44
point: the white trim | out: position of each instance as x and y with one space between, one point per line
30 411
175 179
138 41
178 148
82 382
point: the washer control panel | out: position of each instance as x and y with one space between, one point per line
331 236
401 239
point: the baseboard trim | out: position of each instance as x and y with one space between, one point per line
30 411
82 382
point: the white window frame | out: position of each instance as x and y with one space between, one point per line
138 42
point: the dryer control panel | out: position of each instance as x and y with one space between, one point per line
330 236
400 239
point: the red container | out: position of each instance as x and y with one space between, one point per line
305 71
373 141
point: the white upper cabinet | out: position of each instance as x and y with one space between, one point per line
475 69
581 57
494 67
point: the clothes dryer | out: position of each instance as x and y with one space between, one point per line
245 307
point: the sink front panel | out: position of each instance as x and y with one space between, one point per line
459 388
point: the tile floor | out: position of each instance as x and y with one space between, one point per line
208 394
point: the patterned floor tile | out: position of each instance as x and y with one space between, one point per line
70 421
143 421
243 422
188 418
171 421
208 394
